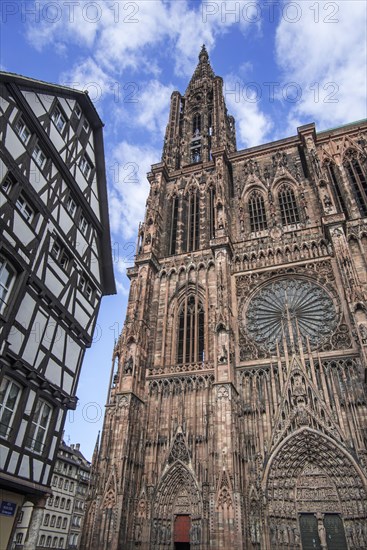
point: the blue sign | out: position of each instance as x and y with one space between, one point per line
7 508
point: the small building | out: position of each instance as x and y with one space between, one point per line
64 511
55 266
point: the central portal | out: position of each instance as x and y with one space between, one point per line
181 533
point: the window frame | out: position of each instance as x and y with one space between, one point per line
36 156
6 287
191 331
25 209
57 115
288 206
86 166
34 443
4 408
20 131
257 212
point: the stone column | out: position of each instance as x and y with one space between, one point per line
35 523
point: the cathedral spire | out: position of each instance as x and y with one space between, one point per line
203 70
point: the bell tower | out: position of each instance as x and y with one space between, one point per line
198 120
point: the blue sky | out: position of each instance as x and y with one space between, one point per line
283 63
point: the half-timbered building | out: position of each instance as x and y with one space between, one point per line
55 266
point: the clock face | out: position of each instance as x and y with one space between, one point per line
284 303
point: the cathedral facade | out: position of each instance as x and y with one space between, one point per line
237 416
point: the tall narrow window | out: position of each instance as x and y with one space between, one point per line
191 332
7 278
212 212
39 426
257 212
193 220
339 195
288 206
358 180
9 398
22 131
174 218
196 125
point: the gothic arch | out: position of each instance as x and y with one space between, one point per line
177 494
310 450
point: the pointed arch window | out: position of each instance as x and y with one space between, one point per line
357 177
191 331
257 212
192 215
211 212
174 220
288 206
338 192
196 124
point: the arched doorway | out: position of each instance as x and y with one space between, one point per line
316 495
177 513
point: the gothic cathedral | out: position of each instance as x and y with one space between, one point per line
236 416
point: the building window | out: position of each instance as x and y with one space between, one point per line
72 486
66 485
7 278
86 125
71 206
22 131
50 501
58 522
39 156
193 218
68 503
20 517
191 331
64 523
59 119
9 399
54 542
46 519
53 521
211 213
62 505
42 540
77 111
196 124
57 502
48 542
357 177
39 426
54 481
19 538
83 224
288 206
87 289
7 183
174 219
24 208
85 166
61 543
60 255
256 206
338 192
61 481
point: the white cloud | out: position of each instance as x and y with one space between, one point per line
129 187
252 125
153 106
327 60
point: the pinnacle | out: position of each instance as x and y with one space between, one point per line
203 69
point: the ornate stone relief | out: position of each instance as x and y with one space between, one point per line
302 304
